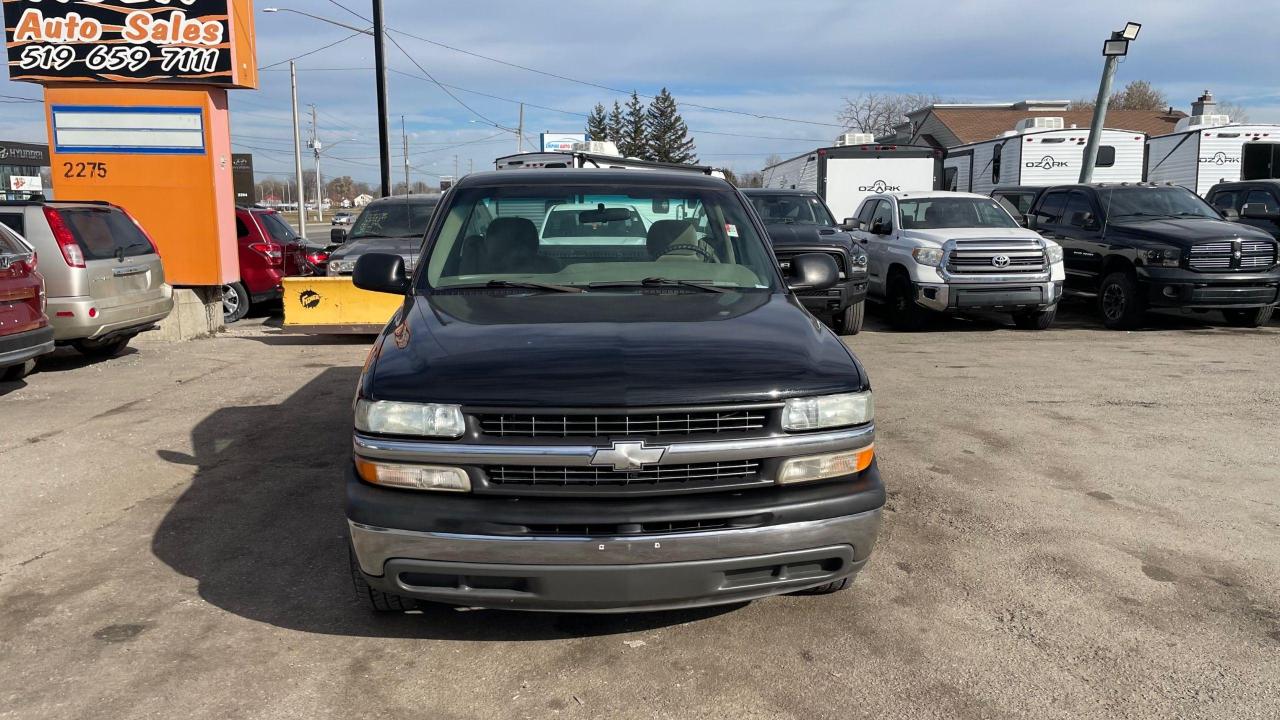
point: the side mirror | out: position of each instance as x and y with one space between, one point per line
1257 211
1032 221
879 227
1229 214
850 224
338 235
380 272
813 271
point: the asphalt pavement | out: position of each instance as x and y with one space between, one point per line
1081 523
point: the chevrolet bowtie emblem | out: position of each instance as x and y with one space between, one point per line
628 455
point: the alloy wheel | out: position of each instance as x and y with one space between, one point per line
1113 301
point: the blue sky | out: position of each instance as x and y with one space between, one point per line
755 57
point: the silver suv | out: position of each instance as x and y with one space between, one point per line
103 276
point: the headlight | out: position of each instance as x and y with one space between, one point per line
1053 251
1164 257
400 418
413 477
820 467
341 267
814 413
858 264
927 256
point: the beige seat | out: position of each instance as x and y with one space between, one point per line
677 240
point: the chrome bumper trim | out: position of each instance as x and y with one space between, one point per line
678 453
375 545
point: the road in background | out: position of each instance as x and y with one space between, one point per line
1081 523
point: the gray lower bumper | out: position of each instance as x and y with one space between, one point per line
1003 296
603 574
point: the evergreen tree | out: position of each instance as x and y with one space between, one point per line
635 131
614 124
598 124
668 136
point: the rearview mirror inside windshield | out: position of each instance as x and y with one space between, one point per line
603 215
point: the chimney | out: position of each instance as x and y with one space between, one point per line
1204 105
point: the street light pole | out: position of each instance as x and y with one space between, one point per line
315 145
297 149
380 72
405 137
1113 49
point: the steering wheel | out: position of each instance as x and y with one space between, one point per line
703 253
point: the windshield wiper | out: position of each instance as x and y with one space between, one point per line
520 284
657 282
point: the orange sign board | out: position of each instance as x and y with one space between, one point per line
163 153
205 42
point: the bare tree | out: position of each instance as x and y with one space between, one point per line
773 159
752 179
1238 113
1137 95
880 113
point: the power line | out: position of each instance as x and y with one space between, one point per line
311 52
601 86
447 91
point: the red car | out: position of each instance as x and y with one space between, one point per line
24 328
269 250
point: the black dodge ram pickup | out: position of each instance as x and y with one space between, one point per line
1140 245
798 221
650 420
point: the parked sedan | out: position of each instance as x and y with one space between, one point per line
389 225
24 328
270 250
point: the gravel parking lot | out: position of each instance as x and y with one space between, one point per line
1081 523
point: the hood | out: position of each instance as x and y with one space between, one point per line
1184 232
942 235
783 235
608 350
408 247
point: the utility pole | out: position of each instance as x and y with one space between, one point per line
405 137
520 131
297 148
471 165
315 146
1113 49
380 73
455 168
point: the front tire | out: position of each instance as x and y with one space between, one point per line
904 313
235 302
102 348
1035 319
849 321
834 586
1252 318
376 599
1120 301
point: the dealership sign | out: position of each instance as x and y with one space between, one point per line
185 41
561 142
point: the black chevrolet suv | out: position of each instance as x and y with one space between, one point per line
632 415
1141 245
798 221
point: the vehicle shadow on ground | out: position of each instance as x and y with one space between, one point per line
261 529
63 359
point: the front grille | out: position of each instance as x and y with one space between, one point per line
654 479
714 421
661 527
984 256
1221 255
784 258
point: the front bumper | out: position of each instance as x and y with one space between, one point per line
836 298
1005 296
600 554
23 346
1175 287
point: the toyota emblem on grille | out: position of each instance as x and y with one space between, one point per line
1000 261
628 455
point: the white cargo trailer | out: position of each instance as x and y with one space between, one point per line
1040 152
845 174
1208 149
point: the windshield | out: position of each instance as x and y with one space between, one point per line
392 219
588 236
792 209
936 213
1130 203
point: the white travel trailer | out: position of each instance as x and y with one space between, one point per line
1039 151
1208 149
593 154
845 174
